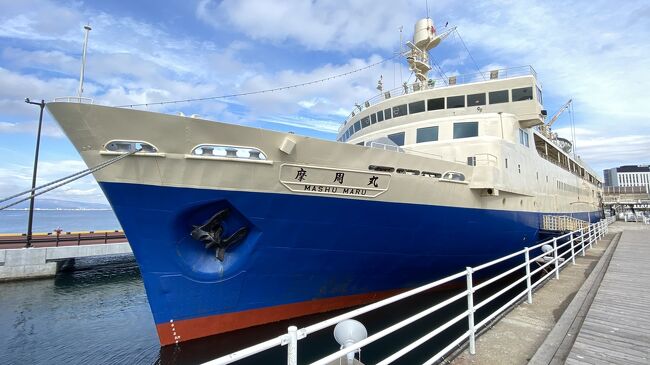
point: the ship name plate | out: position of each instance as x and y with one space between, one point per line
333 181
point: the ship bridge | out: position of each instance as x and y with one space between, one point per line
512 91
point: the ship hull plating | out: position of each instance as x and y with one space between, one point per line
303 254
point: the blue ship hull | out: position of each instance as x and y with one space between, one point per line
302 253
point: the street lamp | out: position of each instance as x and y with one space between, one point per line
38 143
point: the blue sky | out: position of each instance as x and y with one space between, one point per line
596 52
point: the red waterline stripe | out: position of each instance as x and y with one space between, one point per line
189 329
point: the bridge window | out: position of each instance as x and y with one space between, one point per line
399 110
539 95
524 93
416 107
365 122
387 114
397 138
465 129
497 97
476 99
373 118
523 137
456 101
436 104
357 126
427 134
380 116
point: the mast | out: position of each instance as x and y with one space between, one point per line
83 60
424 39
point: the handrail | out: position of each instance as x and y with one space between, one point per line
569 244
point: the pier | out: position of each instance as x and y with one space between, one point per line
595 314
49 252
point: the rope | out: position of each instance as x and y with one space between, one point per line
470 55
69 179
263 91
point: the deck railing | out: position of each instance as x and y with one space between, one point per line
555 254
562 223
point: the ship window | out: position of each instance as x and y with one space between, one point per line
524 93
365 122
453 176
436 104
346 135
399 110
387 114
431 174
350 131
381 168
471 160
456 101
373 118
465 129
357 126
397 138
497 97
506 163
539 95
416 107
360 144
476 99
380 116
427 134
523 137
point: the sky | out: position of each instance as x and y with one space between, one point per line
594 52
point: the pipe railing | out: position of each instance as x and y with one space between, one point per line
65 238
564 249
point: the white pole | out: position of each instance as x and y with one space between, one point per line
528 281
292 346
83 60
557 268
470 309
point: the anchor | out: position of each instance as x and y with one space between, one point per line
210 234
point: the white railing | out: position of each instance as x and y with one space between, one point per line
74 99
549 261
562 223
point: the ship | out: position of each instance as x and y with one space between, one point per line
234 226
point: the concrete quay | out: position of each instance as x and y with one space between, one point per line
38 262
545 332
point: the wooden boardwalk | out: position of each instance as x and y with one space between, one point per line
616 329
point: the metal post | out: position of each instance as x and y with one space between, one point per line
573 252
582 241
470 309
105 237
38 144
79 239
557 265
528 281
83 61
292 346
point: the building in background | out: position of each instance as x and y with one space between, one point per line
628 176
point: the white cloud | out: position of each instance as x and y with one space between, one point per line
15 178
